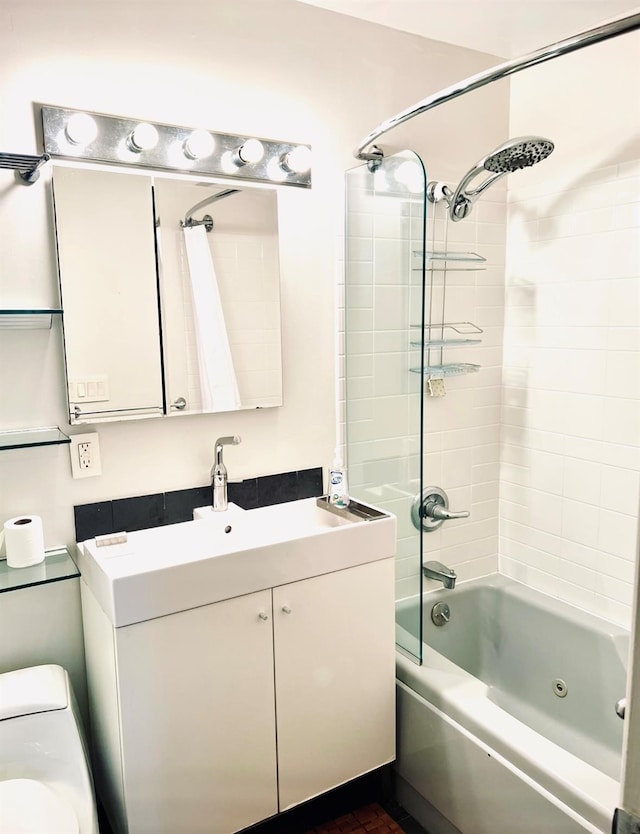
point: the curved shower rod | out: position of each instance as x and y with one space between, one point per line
587 38
206 221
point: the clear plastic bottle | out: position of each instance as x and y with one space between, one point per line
338 490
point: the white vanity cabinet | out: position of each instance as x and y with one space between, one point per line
335 672
214 718
198 742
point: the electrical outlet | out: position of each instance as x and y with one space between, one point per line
85 455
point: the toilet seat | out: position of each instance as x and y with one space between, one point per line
29 807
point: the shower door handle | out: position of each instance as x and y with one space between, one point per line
621 707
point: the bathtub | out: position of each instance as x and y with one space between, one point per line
509 726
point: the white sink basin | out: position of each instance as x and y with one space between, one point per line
226 554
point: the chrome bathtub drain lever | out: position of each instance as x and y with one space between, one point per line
440 614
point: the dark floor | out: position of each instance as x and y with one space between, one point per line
376 787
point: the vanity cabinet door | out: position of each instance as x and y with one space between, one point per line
197 718
334 645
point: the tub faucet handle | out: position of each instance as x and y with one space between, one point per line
435 510
431 509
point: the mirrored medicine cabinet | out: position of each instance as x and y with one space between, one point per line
160 319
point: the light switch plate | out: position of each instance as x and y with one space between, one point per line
91 389
85 455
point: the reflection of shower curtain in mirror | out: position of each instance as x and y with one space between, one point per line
218 383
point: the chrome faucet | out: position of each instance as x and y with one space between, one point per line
436 570
219 476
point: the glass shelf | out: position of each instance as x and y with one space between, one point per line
27 438
447 342
57 565
461 329
454 369
458 261
28 319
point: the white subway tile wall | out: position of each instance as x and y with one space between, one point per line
570 448
543 444
461 429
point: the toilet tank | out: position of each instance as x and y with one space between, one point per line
33 690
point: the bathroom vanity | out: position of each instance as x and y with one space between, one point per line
239 664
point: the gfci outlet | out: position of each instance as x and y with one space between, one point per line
85 455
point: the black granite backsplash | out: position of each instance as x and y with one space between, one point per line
145 511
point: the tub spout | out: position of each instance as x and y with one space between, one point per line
436 570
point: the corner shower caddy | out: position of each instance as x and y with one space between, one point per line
440 335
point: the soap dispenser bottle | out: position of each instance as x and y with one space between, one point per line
338 490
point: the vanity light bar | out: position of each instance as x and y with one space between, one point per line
96 137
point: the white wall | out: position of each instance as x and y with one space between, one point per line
276 69
570 478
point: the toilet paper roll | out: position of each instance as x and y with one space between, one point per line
24 541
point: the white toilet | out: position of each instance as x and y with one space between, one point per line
45 777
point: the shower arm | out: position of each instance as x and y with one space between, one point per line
587 38
188 218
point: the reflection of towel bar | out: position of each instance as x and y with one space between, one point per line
77 412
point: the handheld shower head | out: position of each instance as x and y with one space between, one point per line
513 155
516 154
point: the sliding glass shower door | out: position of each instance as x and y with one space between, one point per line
384 343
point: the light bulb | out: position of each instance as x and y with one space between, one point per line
81 129
198 144
143 138
251 151
297 161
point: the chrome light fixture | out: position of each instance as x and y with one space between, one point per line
199 144
97 137
297 161
144 137
249 152
80 129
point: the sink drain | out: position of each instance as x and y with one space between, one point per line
559 688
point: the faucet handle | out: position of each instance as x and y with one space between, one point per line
431 509
435 510
218 466
229 440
